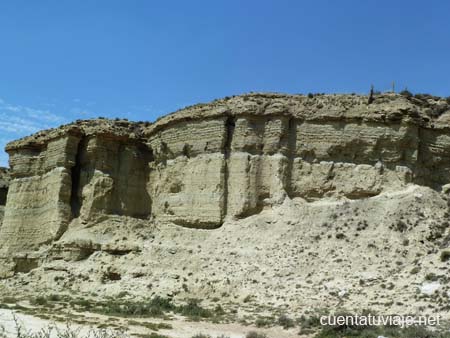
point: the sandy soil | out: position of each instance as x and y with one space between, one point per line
181 328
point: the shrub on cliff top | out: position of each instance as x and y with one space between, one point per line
406 93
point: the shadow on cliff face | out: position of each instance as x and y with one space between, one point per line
75 196
4 183
3 194
112 184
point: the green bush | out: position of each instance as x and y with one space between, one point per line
254 334
264 322
157 335
406 93
193 309
40 300
415 270
432 277
286 322
445 255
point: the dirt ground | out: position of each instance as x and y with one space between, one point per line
181 327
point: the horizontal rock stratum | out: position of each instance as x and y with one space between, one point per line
223 160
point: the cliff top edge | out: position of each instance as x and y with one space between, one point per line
421 109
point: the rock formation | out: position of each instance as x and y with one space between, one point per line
224 160
4 184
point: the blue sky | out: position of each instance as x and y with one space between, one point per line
64 59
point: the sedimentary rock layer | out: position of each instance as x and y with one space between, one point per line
229 158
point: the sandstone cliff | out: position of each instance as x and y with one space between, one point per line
4 184
228 159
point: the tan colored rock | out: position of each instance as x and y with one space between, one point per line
228 159
189 191
37 211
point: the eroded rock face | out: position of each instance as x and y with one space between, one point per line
4 184
227 159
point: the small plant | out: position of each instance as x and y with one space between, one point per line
286 322
310 322
263 322
254 334
445 255
9 300
54 298
406 93
40 300
401 226
157 335
122 294
248 299
67 331
193 309
201 335
432 277
164 304
219 310
340 235
415 270
371 95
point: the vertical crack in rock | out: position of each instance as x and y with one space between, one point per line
141 172
120 176
230 124
130 177
3 195
419 173
150 157
4 182
291 149
75 198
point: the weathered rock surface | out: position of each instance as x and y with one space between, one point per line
4 184
214 162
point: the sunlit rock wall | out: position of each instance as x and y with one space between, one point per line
228 159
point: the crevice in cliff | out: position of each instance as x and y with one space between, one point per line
3 196
130 196
291 151
118 199
230 125
416 174
423 169
75 198
423 172
4 184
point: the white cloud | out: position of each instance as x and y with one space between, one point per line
17 121
84 113
17 118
